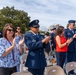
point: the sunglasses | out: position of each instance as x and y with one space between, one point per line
10 30
18 28
73 24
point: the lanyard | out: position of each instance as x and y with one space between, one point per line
12 52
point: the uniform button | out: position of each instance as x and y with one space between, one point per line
40 53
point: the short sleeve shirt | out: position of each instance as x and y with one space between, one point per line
8 61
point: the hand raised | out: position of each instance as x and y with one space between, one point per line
21 41
69 40
74 36
14 42
47 39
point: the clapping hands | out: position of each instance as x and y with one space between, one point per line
21 41
69 40
46 40
74 36
14 42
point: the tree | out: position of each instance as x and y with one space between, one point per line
16 17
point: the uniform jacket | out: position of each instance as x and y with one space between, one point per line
69 34
36 58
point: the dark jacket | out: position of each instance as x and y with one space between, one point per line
69 34
36 57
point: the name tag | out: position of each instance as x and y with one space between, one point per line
33 40
68 34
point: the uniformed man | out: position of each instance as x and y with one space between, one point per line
36 43
70 32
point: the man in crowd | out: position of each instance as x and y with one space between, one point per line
70 32
36 43
53 44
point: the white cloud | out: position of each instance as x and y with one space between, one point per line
47 11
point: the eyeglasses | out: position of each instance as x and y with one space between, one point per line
10 30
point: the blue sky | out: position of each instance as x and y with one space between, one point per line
49 12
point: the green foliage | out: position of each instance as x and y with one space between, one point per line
16 17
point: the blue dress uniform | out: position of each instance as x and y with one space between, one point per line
36 61
71 54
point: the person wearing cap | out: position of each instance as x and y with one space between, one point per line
36 43
70 32
53 34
